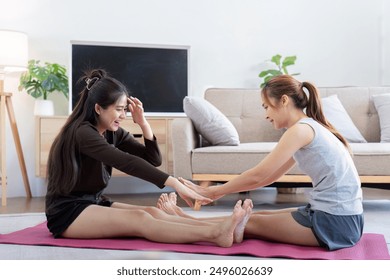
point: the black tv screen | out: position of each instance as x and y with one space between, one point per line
155 74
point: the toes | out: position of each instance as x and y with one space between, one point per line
173 197
165 197
248 203
238 210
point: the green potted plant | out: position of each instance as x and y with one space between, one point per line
41 80
280 69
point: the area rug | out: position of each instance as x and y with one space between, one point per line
370 247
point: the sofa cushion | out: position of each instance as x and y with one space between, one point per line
382 105
210 122
229 159
371 158
237 159
336 114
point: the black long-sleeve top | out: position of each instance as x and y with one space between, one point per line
99 154
118 150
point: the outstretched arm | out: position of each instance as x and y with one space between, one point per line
217 191
251 179
274 165
279 160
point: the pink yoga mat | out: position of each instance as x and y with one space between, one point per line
370 247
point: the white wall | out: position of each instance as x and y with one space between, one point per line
337 43
385 43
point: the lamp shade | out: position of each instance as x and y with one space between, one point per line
13 51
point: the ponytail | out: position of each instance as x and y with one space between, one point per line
314 111
287 85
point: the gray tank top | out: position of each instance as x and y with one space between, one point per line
336 184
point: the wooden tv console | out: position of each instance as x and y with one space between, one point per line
47 128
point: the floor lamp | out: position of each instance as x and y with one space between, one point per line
13 58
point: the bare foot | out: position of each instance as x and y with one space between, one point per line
225 236
165 204
239 231
173 198
173 201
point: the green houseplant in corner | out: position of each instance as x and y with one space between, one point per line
41 80
280 69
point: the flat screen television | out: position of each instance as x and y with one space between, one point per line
156 74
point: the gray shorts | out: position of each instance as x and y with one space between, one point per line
332 231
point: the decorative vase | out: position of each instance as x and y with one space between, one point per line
43 108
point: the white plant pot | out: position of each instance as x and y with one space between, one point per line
43 108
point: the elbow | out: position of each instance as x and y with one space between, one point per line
253 180
157 161
154 159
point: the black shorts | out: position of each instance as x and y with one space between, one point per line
332 231
64 210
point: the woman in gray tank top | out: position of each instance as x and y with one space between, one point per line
333 218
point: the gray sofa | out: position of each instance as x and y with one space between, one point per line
257 137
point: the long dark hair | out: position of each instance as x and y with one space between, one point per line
63 163
287 85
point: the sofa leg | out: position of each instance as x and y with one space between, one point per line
197 205
205 184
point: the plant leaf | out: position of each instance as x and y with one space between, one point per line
34 89
275 72
265 73
272 72
276 59
288 60
268 78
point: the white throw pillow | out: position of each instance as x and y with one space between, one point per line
382 105
336 114
214 126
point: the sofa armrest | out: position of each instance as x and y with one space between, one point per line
184 140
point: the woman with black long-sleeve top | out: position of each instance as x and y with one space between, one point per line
80 162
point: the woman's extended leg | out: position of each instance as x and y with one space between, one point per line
274 225
280 227
105 222
159 214
167 203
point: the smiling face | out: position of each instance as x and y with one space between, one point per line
111 117
275 111
282 113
